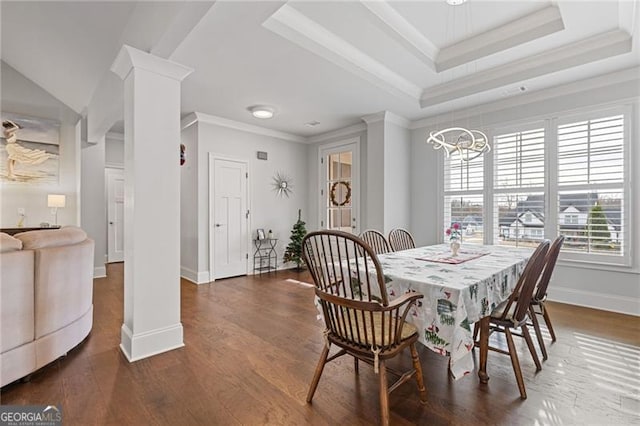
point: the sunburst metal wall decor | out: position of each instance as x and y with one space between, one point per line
282 185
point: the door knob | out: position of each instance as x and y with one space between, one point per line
110 223
218 225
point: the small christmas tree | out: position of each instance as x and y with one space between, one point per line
293 253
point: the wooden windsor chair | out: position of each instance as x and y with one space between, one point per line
401 239
359 318
376 241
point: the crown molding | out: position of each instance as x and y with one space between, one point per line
199 117
591 49
115 136
396 26
130 57
345 131
387 117
397 119
563 90
527 28
292 25
374 118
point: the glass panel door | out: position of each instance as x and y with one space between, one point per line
339 192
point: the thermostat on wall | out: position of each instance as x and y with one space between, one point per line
262 155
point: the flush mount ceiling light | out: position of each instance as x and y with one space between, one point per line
455 2
262 111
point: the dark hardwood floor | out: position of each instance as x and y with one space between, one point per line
252 344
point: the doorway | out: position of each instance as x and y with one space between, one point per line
340 190
115 215
228 217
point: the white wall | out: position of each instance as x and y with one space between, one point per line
189 208
114 150
374 185
425 182
397 177
605 287
22 96
268 210
94 211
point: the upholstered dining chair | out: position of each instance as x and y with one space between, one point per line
376 241
513 313
540 295
359 318
401 239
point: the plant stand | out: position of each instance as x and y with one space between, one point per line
265 258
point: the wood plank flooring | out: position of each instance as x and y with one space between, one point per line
252 344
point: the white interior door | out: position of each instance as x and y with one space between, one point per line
228 218
340 191
115 215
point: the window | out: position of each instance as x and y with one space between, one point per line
591 185
569 219
463 199
565 175
519 183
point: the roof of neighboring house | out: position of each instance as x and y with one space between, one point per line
581 201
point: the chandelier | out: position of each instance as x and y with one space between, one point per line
469 144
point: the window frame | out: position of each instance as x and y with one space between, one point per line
551 187
594 114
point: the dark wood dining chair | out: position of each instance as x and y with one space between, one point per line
540 295
514 313
401 239
376 240
359 319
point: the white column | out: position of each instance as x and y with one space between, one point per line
152 203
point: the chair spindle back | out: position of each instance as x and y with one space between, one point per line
401 239
376 241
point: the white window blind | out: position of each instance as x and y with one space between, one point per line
463 197
519 184
591 196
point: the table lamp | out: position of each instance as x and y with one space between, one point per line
55 201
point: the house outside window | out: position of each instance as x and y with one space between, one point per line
561 175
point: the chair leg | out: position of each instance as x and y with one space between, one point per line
484 349
516 364
418 367
384 394
547 320
316 376
356 366
476 330
532 349
536 328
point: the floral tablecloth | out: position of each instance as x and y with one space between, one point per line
455 295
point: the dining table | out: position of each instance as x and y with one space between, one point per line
459 291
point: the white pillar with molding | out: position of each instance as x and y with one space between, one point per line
152 202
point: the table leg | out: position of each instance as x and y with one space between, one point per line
484 349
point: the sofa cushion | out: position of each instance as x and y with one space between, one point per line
8 243
51 238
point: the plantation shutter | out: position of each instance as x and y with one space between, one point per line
519 182
463 197
591 185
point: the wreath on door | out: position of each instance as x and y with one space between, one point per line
332 193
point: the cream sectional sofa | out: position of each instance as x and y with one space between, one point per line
46 298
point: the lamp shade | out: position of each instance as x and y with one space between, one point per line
56 200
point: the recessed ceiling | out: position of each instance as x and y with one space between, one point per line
328 62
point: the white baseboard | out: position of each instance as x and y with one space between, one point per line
201 277
589 299
99 272
143 345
